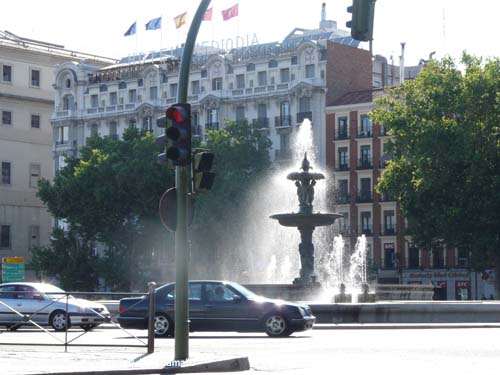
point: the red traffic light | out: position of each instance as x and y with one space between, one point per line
177 114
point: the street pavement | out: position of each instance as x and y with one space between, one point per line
332 349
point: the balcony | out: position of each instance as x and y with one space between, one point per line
283 121
366 229
365 163
364 196
301 116
364 133
212 126
261 123
387 230
342 166
341 134
385 197
342 198
383 131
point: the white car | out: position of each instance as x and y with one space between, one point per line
46 304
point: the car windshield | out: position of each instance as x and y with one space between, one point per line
51 291
246 292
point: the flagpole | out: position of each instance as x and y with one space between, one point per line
238 24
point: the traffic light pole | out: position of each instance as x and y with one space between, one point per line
182 179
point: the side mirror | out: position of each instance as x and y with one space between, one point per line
237 299
38 297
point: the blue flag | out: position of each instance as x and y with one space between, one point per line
154 24
131 30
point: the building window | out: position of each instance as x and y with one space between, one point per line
389 223
273 63
35 121
62 135
35 172
195 87
414 256
240 113
262 78
437 257
113 130
343 153
113 98
132 96
294 60
132 123
140 82
6 173
5 237
284 109
204 73
366 126
366 226
217 84
122 85
61 162
366 155
304 104
285 143
68 102
342 130
285 75
35 78
6 73
240 81
34 236
389 255
94 101
6 118
212 116
147 123
366 189
94 130
310 71
153 93
173 90
250 67
342 192
261 110
68 83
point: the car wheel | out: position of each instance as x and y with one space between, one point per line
275 325
58 320
88 327
163 326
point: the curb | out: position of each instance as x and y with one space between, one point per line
382 326
225 365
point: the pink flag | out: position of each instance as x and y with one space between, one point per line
208 15
230 12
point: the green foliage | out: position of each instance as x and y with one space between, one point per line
69 259
110 194
446 156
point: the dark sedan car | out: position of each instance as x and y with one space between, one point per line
218 306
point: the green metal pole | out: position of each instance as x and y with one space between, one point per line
182 178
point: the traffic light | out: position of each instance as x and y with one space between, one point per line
203 178
178 133
363 12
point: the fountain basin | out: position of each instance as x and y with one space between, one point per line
306 220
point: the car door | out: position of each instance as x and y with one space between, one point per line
8 298
32 303
225 309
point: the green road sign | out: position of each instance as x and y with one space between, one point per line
12 269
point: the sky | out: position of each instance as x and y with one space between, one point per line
446 27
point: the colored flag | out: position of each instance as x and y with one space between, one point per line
230 12
131 30
208 15
180 20
154 24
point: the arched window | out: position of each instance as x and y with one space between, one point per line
68 83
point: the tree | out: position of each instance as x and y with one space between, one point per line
241 158
445 167
68 258
110 195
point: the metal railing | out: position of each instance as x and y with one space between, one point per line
56 310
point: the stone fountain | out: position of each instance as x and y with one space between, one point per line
306 220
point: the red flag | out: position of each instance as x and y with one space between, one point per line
208 15
180 20
230 12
